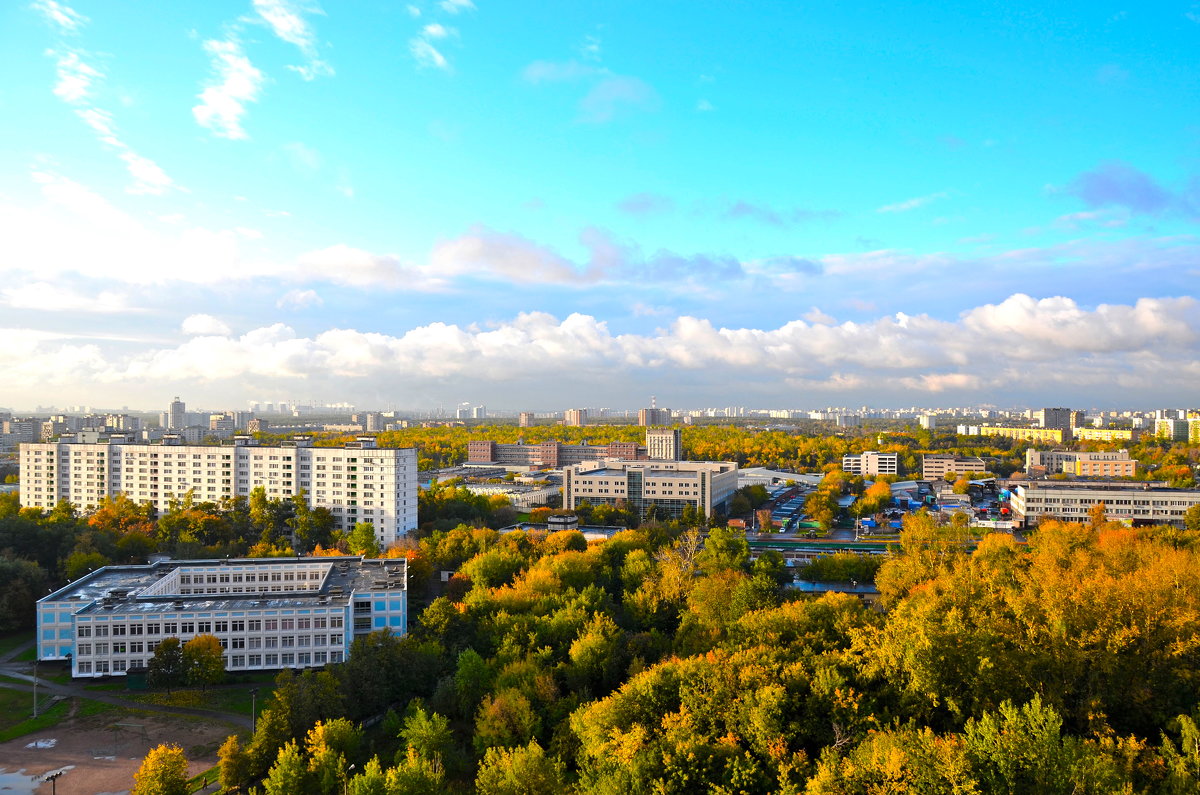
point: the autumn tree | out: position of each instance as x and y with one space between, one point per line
164 771
203 661
523 770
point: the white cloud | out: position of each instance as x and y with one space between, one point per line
437 31
46 297
1051 341
615 94
456 6
147 176
287 21
75 77
704 106
913 203
235 83
64 18
205 325
299 299
426 55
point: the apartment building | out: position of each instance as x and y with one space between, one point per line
550 455
937 466
872 463
1040 435
357 483
1136 503
267 613
1084 464
575 418
1129 435
664 444
670 486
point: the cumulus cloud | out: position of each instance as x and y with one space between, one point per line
913 203
204 325
235 82
1050 340
426 55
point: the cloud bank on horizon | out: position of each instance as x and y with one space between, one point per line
269 199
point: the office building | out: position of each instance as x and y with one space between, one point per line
669 486
1133 503
872 463
357 483
664 444
267 613
937 466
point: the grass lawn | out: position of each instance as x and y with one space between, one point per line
10 642
222 699
16 711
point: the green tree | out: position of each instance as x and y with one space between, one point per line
371 781
427 733
289 775
524 770
362 540
166 665
164 771
22 583
203 661
232 764
416 775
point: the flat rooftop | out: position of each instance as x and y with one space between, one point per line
119 589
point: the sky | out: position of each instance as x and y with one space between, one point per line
542 205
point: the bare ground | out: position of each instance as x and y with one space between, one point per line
102 752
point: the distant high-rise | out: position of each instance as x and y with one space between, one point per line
526 419
653 416
176 415
575 417
664 444
479 412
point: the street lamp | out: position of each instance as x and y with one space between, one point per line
346 788
253 711
53 779
37 654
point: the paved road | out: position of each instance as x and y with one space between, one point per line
73 690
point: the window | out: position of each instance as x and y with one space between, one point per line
255 625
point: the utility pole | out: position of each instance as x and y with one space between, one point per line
253 711
35 681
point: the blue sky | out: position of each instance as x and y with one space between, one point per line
540 205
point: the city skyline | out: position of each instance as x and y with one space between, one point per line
754 205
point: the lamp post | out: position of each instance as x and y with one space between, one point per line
53 779
346 789
37 654
253 710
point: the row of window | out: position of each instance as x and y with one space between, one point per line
169 628
105 648
285 660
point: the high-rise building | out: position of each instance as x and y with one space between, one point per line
575 418
176 415
525 420
664 444
654 416
479 412
357 483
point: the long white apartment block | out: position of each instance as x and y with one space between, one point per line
357 483
267 613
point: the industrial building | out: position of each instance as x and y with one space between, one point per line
670 486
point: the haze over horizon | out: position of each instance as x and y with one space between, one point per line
756 204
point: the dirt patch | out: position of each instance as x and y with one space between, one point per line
102 752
